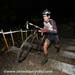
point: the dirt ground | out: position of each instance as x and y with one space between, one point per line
30 66
9 66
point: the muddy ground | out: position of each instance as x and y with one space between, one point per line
9 66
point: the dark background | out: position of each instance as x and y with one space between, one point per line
14 10
60 9
14 13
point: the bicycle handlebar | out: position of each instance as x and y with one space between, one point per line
35 26
27 24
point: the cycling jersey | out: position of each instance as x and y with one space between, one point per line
50 26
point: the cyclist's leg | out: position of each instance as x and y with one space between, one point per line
57 43
45 49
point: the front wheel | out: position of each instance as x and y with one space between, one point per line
25 49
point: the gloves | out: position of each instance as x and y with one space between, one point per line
44 30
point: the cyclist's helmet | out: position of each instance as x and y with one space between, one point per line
46 13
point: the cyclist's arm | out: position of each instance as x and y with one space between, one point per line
53 30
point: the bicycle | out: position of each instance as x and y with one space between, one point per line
33 41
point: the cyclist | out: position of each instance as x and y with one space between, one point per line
51 33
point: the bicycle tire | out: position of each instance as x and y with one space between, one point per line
27 43
25 49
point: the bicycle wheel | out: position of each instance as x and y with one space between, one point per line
25 48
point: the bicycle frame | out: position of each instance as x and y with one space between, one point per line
30 44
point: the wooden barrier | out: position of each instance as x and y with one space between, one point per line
11 33
5 39
22 35
12 38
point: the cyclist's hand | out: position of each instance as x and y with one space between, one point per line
44 30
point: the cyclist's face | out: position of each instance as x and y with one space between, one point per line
46 18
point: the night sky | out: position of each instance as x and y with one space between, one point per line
18 11
60 9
